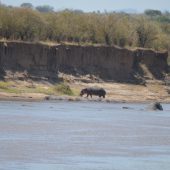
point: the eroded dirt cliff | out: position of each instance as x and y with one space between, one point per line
108 63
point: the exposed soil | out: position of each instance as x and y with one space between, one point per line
30 71
153 90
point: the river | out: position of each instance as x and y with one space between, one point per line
83 136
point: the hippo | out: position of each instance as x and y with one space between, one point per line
93 91
156 106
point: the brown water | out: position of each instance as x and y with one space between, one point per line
83 136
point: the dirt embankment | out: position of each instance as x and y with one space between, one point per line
108 63
127 75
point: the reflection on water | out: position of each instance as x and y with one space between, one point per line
83 136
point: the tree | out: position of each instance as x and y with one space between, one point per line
151 30
7 23
45 8
147 32
29 24
152 13
26 5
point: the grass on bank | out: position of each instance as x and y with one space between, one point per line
8 87
63 88
57 89
4 85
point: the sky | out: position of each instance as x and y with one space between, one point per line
95 5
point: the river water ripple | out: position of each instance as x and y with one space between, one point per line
83 136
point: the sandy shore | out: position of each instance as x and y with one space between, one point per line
116 92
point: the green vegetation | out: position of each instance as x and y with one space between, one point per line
150 29
27 5
7 87
16 87
4 85
63 89
45 8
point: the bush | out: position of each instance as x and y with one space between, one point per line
63 89
147 32
142 30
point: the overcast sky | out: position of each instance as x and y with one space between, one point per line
94 5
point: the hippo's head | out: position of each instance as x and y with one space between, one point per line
158 106
83 91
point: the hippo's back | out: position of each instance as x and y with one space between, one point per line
97 91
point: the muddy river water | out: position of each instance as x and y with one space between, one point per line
83 136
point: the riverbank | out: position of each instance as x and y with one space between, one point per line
36 71
116 92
